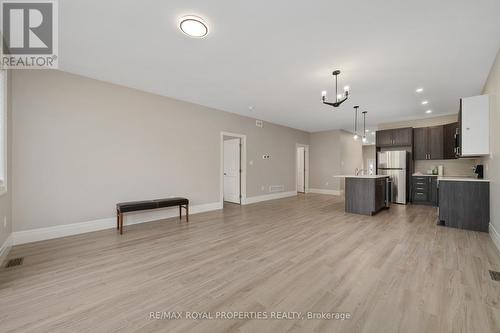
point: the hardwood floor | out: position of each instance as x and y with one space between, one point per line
394 272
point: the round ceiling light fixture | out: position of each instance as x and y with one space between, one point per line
193 26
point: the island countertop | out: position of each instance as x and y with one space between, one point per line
362 176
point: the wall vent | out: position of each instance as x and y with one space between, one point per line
495 276
14 262
276 188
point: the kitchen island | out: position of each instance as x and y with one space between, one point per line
365 195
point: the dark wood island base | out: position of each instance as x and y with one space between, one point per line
365 195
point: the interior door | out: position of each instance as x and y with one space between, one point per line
232 170
301 169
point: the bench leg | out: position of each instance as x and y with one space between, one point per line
180 212
121 223
117 220
187 213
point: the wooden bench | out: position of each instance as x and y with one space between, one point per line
134 206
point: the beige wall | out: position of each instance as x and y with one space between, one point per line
81 145
492 163
369 152
424 122
333 153
5 199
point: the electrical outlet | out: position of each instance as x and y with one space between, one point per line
5 221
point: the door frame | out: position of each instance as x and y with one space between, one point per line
306 167
243 166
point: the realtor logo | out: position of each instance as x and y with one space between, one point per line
29 34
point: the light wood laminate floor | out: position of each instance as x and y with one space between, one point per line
394 272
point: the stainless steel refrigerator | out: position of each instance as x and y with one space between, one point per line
395 164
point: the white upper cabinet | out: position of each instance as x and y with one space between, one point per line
475 126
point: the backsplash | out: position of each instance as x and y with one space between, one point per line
460 167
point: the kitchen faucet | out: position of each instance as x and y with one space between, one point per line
358 171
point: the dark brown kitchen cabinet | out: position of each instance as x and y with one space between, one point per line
384 138
424 190
402 136
420 140
394 137
465 204
436 143
449 135
428 143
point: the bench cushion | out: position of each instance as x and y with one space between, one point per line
171 202
133 206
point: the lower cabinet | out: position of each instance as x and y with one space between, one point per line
424 190
465 204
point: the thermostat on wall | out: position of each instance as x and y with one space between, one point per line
259 123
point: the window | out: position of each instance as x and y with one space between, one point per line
3 131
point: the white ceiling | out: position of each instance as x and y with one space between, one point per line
277 56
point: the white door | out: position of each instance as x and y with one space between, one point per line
301 169
232 170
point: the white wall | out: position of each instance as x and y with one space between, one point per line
492 87
81 145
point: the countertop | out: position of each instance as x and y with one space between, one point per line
423 175
362 176
461 179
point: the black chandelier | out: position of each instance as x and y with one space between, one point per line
339 98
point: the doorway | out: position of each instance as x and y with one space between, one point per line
233 182
302 167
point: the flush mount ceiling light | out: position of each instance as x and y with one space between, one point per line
425 102
339 98
193 26
419 90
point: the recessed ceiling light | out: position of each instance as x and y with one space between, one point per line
428 111
425 102
193 26
419 90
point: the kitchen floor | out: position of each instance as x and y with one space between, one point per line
394 272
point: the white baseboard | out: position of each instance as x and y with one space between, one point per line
5 248
495 236
271 196
323 191
35 235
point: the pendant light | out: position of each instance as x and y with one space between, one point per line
364 125
356 136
